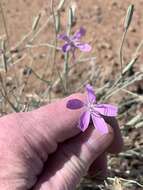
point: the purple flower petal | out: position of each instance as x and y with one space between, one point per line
66 47
99 124
79 33
74 104
90 94
84 47
84 121
106 110
73 42
64 37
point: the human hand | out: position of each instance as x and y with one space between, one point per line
44 150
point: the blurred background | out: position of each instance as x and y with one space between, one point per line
31 67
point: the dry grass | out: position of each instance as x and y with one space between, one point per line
24 87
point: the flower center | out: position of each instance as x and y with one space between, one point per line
90 107
73 42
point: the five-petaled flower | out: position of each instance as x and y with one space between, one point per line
73 42
93 110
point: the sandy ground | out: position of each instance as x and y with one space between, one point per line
103 21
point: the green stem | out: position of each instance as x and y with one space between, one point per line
121 51
66 70
66 62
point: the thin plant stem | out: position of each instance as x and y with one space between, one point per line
66 69
28 36
55 45
6 31
39 77
129 65
55 49
139 48
121 51
66 57
8 42
131 80
42 45
133 94
3 56
5 95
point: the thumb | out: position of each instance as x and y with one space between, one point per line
73 159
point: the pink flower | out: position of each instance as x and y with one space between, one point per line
93 111
73 42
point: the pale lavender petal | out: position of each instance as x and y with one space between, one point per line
64 37
74 104
106 110
99 124
66 47
84 121
79 33
90 94
83 47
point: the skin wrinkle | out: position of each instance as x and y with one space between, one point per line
47 144
38 132
68 157
79 164
34 160
40 153
70 119
72 164
41 129
16 173
69 153
54 130
50 174
23 183
9 151
43 145
19 185
88 147
50 140
19 168
76 168
62 178
96 149
29 151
